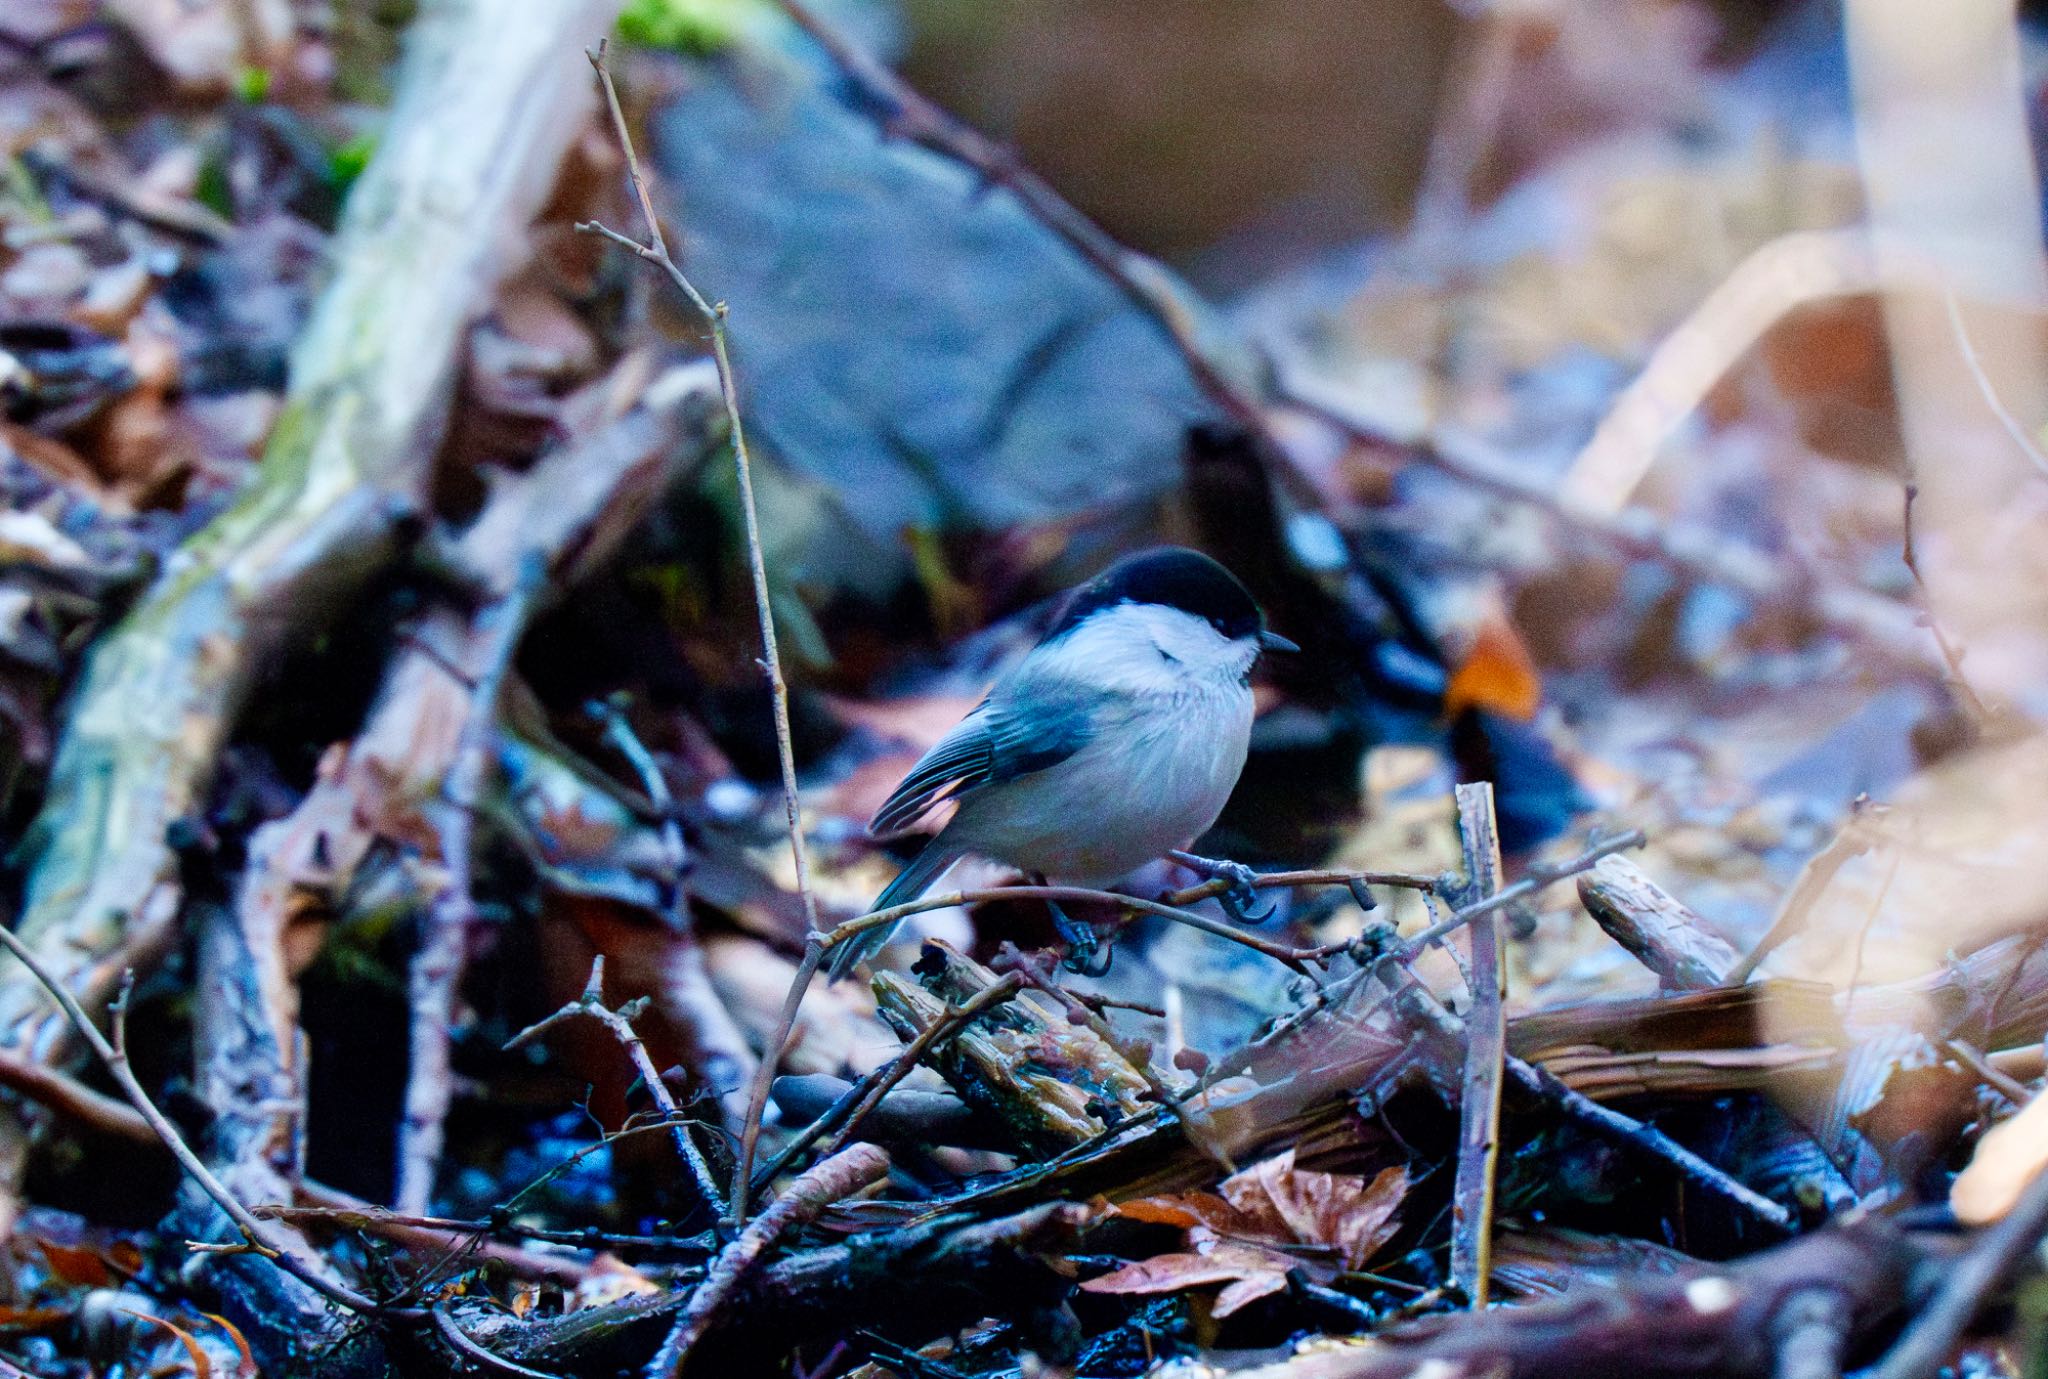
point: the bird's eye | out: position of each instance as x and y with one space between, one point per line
1167 656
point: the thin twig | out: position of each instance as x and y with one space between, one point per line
620 1022
1327 996
1950 652
862 1097
1472 1198
1420 1007
1296 958
842 1175
1296 880
655 251
1856 837
452 923
114 1056
1035 969
1931 1339
818 945
955 1018
1536 879
2011 1088
2006 419
1648 1139
327 1206
1881 624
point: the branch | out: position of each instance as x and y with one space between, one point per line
1472 1196
2000 1250
1737 1321
840 1176
591 1005
114 1055
845 1114
655 251
452 923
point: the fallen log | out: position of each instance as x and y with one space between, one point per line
1826 1297
489 99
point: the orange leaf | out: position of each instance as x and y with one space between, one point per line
202 1368
2007 1160
245 1363
1497 673
1191 1209
77 1265
31 1318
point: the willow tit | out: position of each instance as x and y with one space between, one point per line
1118 737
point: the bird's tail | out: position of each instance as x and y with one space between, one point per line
909 884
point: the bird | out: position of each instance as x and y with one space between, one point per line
1115 740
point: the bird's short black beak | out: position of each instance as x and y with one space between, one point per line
1273 641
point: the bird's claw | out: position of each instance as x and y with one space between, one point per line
1089 959
1087 955
1241 901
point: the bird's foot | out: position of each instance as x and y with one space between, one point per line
1241 901
1087 954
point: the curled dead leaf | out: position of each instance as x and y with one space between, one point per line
1244 1237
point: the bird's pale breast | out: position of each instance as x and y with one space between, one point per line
1088 821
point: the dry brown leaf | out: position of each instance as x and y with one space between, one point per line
2010 1157
1251 1271
1322 1208
610 1280
1242 1238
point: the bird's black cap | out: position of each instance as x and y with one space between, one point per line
1175 577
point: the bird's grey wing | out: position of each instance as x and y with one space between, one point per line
995 743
